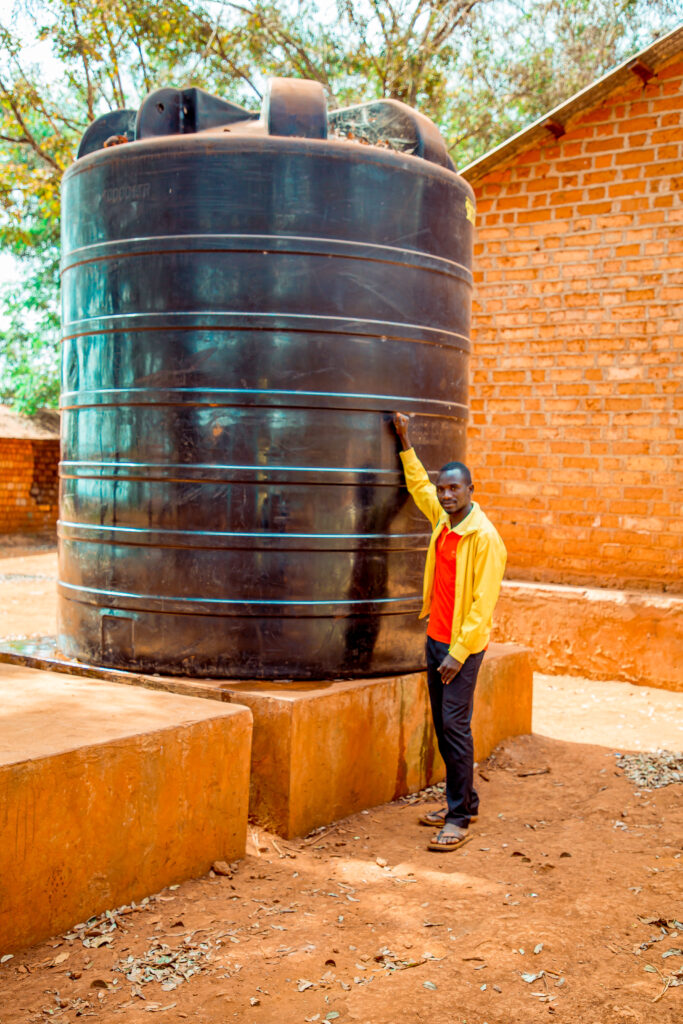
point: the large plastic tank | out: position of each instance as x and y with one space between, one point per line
245 301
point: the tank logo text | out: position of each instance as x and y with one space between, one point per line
117 195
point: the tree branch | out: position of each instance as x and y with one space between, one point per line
361 29
115 79
291 47
86 67
30 139
238 71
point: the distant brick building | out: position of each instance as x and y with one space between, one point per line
577 369
29 460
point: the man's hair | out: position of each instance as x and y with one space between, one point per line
460 467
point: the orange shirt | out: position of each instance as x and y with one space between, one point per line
443 596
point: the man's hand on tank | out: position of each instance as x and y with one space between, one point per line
401 424
449 669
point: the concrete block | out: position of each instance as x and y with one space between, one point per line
503 698
635 636
324 750
109 793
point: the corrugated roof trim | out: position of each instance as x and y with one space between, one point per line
640 65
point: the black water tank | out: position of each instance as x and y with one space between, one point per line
245 301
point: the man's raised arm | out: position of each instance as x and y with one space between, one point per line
422 490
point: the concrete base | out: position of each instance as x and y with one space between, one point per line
635 636
324 750
109 793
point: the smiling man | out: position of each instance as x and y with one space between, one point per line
463 573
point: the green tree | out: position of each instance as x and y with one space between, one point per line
522 59
480 68
108 54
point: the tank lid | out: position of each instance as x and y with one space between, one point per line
294 107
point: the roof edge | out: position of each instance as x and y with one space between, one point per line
638 64
15 426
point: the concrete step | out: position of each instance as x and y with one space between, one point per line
109 793
635 636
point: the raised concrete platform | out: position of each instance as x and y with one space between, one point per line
324 750
635 636
108 793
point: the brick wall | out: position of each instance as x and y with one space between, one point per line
577 368
28 485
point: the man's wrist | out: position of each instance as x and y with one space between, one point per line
458 652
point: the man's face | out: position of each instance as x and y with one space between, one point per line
453 492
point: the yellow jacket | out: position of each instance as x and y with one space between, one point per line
479 565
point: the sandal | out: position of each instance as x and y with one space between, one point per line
451 837
437 819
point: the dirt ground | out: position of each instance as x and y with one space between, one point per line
565 904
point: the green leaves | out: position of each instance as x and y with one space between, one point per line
29 329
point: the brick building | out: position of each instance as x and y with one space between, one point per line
29 459
577 368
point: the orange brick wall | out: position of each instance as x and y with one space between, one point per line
28 485
577 368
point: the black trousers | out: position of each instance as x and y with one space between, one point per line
452 714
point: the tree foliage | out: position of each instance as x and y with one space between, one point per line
480 68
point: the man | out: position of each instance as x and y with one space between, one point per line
463 573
